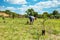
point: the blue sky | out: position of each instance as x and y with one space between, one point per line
20 6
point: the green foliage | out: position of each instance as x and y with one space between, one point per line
11 14
40 16
32 12
35 14
7 12
45 14
25 15
55 12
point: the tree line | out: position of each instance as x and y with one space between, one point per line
11 14
55 14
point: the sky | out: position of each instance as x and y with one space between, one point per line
20 6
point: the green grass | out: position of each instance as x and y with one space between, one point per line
17 29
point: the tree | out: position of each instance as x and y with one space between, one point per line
13 14
45 17
32 12
35 14
7 12
56 14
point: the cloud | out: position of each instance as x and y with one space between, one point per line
16 1
25 7
2 8
10 8
48 4
38 7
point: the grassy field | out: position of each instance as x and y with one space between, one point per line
17 29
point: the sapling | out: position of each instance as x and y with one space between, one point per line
3 19
43 24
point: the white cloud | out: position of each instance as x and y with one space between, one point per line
7 8
41 5
10 8
16 1
37 7
48 4
25 7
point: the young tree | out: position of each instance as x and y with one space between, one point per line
45 17
13 15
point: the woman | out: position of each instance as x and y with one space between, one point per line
31 18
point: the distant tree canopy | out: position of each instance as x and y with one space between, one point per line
11 14
7 11
32 12
54 14
45 14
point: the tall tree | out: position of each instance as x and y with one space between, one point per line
31 12
55 12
